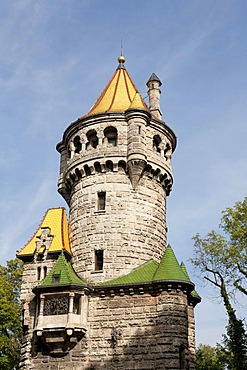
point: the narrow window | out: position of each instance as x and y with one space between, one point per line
99 259
182 357
139 130
45 271
38 273
55 278
101 201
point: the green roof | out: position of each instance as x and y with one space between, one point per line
194 292
61 274
169 268
142 274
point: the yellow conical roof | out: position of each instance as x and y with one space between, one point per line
119 94
55 219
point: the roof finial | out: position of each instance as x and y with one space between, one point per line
121 59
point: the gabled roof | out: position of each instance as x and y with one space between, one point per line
65 272
54 219
119 94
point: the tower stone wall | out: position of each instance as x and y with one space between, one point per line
108 293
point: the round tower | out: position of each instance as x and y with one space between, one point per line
115 174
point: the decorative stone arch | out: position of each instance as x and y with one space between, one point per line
110 135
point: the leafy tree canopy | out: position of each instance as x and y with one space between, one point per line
10 314
209 358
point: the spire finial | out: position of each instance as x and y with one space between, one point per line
121 59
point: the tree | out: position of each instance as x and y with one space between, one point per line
209 358
10 314
222 261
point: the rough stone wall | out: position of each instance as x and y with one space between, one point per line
129 332
29 313
131 230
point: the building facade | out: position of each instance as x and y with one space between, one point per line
104 291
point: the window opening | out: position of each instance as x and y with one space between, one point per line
139 129
45 271
55 278
77 144
93 140
38 273
111 135
156 143
182 357
99 259
101 201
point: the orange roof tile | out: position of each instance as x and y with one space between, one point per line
119 94
56 220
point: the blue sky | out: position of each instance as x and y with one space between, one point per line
55 59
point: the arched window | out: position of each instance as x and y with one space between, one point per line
77 144
110 134
93 140
156 143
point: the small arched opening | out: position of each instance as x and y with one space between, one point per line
156 143
110 134
93 140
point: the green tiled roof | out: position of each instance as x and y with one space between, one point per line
169 268
64 270
142 274
194 292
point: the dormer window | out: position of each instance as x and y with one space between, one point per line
55 278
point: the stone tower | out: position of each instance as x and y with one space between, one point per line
106 292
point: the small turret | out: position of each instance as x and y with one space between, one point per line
154 92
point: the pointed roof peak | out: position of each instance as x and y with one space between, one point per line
119 94
65 273
153 78
169 268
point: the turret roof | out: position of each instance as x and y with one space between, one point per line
154 77
119 94
65 272
54 219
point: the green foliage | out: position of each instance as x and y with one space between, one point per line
209 358
222 260
10 314
225 256
235 345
